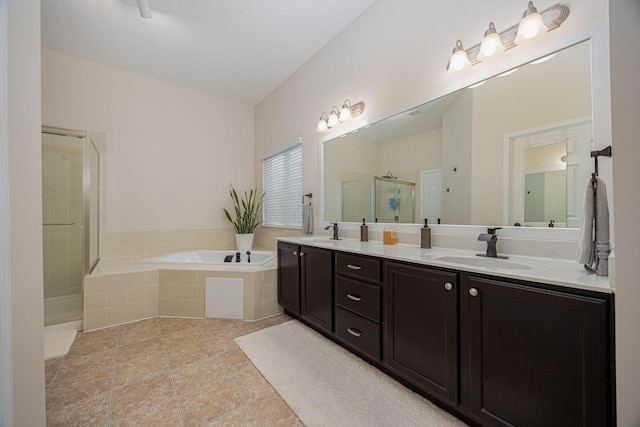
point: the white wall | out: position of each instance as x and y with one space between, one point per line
25 217
171 152
625 115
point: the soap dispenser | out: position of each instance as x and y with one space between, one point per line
364 232
425 236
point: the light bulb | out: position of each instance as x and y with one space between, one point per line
333 117
531 26
459 60
491 45
345 112
322 123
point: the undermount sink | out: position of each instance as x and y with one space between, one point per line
484 262
317 239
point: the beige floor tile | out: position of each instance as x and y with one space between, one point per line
236 361
140 396
138 332
97 361
239 417
209 402
188 351
252 384
211 327
51 367
223 344
132 351
82 413
271 410
165 414
91 342
171 324
194 375
72 388
139 368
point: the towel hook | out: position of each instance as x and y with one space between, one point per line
309 195
605 152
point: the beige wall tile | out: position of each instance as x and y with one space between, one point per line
136 295
116 298
95 301
270 290
151 292
137 279
116 315
116 282
164 307
136 311
94 319
95 284
190 277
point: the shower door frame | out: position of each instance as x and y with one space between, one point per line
87 265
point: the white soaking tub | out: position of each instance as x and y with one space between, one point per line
255 258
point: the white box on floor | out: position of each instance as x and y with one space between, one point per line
224 298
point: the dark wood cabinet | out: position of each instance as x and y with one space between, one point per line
536 357
421 327
289 277
317 286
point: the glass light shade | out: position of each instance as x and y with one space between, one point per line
491 45
531 27
345 112
459 60
333 117
322 124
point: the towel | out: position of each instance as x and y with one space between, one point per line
307 218
593 250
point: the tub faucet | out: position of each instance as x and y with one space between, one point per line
237 256
492 239
335 230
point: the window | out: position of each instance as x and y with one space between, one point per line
282 182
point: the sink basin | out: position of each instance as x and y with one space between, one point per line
326 239
484 262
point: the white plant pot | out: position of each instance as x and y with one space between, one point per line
244 242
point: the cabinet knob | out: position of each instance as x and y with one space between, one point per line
448 286
354 332
295 253
473 292
301 253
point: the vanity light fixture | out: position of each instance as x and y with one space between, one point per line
336 116
491 45
533 26
144 9
323 126
333 117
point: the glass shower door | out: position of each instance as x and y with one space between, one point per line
63 226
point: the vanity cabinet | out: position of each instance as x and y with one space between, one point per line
536 356
316 286
359 304
421 327
289 277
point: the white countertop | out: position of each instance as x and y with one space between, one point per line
551 271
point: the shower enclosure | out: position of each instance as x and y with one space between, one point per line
378 199
70 208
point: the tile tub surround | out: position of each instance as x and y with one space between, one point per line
163 372
113 299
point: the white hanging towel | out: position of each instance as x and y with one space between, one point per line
307 218
594 246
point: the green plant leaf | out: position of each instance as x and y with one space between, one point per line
246 210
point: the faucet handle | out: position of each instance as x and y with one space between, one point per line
492 230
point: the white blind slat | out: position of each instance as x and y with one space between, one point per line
282 181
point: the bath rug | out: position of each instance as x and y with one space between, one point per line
325 385
57 344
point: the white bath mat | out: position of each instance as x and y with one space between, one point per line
325 385
57 344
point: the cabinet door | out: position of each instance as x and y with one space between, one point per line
537 357
289 277
421 327
317 286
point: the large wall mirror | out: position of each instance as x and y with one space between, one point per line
513 150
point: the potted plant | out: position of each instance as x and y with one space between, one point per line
245 221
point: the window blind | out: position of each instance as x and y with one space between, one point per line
282 182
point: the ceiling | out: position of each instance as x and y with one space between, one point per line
235 49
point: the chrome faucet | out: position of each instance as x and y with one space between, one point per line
335 230
492 240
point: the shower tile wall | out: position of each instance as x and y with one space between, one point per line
62 204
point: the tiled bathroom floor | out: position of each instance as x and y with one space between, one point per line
163 372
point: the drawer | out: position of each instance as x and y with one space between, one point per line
358 267
361 298
358 332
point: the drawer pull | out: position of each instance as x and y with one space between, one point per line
354 297
295 253
354 332
353 267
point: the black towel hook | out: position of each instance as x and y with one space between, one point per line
605 152
309 195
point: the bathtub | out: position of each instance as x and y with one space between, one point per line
257 258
